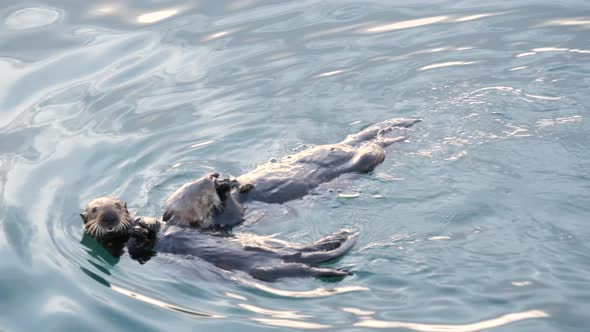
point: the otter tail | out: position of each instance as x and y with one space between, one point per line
383 133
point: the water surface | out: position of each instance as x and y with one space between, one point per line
478 222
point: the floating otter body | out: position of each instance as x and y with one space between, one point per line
264 258
210 203
294 176
283 180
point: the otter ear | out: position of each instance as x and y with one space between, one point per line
125 204
84 216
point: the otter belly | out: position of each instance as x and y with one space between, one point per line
294 176
220 251
261 257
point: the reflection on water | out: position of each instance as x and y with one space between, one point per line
162 304
291 323
330 73
426 51
106 9
29 18
313 293
358 312
574 21
273 313
558 121
552 49
560 49
236 296
427 21
481 213
407 24
157 16
218 35
475 17
447 64
479 326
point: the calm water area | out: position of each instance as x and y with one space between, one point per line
478 222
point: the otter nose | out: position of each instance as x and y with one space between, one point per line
110 216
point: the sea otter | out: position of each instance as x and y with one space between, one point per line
265 258
108 221
218 202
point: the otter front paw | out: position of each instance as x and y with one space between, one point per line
139 233
223 187
246 187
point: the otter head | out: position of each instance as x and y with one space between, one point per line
106 217
193 204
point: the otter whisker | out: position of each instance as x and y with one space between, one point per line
91 229
126 223
123 226
96 229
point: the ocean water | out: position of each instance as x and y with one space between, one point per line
479 222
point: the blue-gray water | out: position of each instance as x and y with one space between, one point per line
478 222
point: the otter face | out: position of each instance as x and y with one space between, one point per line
106 217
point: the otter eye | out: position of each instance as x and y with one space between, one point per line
118 205
94 209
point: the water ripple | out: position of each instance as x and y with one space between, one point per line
29 18
486 324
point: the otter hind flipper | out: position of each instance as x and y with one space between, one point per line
326 249
329 242
375 132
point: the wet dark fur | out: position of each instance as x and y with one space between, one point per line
263 258
296 175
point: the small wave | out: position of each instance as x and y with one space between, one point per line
163 304
473 327
314 293
29 18
291 323
558 121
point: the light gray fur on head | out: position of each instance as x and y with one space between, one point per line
193 204
94 217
